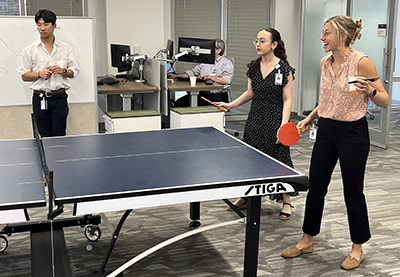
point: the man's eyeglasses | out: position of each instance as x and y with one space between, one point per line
261 41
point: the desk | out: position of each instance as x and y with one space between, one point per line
179 85
126 90
164 167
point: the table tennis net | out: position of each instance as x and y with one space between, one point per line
39 143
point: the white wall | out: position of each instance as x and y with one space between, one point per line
145 24
97 10
138 23
288 23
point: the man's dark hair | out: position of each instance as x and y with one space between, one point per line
47 16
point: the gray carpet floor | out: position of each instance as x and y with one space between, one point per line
219 252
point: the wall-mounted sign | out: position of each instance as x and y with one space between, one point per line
381 30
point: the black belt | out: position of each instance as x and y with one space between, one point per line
50 93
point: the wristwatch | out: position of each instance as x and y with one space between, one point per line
65 71
372 94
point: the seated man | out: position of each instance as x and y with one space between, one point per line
220 72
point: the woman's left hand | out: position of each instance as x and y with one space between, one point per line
363 86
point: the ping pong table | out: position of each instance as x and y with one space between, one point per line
124 171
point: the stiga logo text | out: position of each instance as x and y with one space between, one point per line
271 188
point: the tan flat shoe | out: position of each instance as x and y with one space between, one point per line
295 252
351 262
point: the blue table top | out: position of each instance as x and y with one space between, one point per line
107 166
21 182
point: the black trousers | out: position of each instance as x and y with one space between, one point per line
53 120
348 142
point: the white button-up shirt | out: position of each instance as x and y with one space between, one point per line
223 67
35 58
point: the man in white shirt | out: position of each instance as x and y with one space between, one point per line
48 63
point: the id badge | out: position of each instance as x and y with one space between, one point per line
43 104
278 78
313 133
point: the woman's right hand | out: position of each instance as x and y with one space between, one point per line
224 105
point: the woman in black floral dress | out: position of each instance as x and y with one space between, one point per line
270 87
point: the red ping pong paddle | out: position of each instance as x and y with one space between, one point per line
288 134
212 103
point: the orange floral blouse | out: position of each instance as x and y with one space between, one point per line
336 102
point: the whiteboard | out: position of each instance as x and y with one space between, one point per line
17 32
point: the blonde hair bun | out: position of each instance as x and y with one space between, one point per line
357 33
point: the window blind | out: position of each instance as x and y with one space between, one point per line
196 19
59 7
9 7
244 20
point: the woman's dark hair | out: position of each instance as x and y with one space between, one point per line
279 50
47 16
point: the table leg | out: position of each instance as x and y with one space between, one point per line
114 240
2 226
49 254
195 214
193 98
252 236
126 101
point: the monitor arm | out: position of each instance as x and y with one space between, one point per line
193 50
160 53
132 58
141 58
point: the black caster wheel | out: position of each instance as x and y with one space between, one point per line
92 233
3 244
194 223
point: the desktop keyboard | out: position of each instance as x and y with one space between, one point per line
188 79
109 81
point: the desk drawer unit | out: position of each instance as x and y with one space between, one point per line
129 121
197 117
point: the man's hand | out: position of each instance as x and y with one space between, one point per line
46 73
205 77
55 69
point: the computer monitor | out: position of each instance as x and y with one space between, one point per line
199 50
117 52
170 49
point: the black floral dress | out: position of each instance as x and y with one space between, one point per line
265 116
